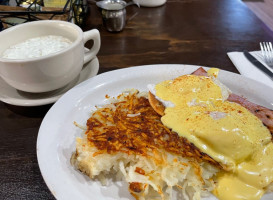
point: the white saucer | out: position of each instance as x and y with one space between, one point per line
13 96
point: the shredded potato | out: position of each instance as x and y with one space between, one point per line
127 138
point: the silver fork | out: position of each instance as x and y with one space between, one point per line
267 52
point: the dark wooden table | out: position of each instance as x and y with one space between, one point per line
198 32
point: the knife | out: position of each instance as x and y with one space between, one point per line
258 64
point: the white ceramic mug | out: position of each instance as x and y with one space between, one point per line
49 72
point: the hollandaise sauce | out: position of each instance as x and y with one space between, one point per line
226 131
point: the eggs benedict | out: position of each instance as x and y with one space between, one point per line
199 108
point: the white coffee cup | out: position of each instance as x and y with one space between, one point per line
52 71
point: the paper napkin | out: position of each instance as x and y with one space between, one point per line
246 68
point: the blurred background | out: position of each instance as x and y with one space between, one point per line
263 9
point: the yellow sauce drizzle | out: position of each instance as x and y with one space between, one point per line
226 131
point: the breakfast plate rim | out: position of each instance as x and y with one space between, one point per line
52 140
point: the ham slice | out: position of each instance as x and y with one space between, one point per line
263 113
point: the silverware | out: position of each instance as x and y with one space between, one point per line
258 64
267 52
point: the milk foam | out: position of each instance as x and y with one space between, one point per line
37 47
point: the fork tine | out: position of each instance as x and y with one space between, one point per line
269 56
271 51
267 46
270 46
266 51
262 49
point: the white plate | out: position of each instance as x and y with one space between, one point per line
56 138
13 96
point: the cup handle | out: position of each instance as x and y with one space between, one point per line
95 36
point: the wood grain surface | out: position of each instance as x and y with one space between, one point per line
198 32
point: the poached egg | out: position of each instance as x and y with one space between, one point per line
196 108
